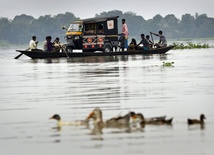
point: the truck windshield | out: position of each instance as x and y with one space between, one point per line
75 27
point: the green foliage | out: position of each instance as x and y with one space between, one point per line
190 45
3 44
23 27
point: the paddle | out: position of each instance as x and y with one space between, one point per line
18 56
66 54
152 38
21 54
64 50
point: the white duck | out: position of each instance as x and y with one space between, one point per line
64 123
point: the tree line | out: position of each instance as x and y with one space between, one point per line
23 27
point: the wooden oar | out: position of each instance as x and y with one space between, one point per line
152 37
18 56
66 54
152 40
64 50
21 54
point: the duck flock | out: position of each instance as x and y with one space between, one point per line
119 121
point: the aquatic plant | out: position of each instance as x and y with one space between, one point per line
191 45
3 44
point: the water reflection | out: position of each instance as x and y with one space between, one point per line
57 128
97 59
196 127
103 71
100 59
97 129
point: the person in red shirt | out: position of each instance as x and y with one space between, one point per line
123 40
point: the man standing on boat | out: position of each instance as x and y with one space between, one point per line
126 32
123 40
162 42
33 43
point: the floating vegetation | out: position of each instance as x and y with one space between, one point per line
191 45
168 64
3 44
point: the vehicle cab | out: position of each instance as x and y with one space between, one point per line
93 34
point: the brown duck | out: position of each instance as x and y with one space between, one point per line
122 120
195 121
96 115
154 120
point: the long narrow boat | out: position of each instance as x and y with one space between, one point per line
39 54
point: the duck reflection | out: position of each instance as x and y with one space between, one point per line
97 129
57 128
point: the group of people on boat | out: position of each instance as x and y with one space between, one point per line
147 43
144 44
145 40
48 45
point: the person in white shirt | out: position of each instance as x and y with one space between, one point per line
56 45
162 42
33 43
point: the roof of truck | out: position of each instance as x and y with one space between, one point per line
94 20
98 19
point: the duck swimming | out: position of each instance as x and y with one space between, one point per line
96 115
155 120
122 120
195 121
64 123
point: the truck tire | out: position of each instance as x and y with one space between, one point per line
107 47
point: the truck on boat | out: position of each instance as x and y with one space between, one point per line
92 34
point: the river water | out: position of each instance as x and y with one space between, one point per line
33 90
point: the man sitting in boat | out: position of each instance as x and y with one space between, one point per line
145 43
150 42
56 45
47 46
162 42
33 44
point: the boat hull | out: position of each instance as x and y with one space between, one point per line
39 54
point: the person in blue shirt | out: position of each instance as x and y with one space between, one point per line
150 42
145 43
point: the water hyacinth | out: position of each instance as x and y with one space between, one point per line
191 45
